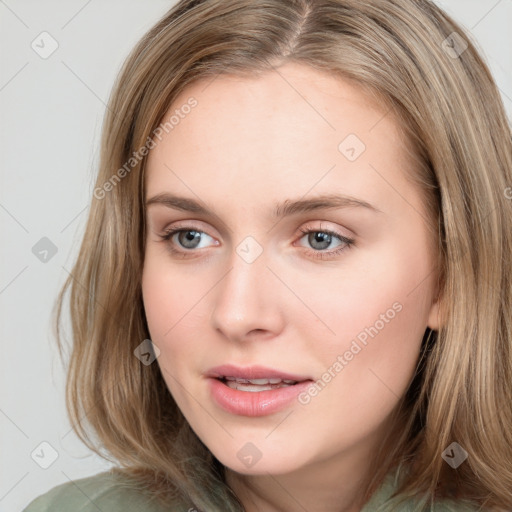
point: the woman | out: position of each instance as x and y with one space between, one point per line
293 291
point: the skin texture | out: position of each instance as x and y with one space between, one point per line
247 145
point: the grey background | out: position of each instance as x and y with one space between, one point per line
51 114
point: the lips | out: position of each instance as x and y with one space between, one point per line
252 373
255 390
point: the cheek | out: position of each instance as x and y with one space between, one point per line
379 316
169 295
365 374
171 318
387 291
169 298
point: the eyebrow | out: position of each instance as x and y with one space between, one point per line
286 208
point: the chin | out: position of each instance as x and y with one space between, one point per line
260 458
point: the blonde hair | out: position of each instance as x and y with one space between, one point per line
406 54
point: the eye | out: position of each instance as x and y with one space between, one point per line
187 238
321 239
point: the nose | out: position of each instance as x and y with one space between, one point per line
248 302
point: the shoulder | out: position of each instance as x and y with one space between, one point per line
452 505
104 491
383 501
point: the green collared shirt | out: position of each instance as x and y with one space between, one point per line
108 492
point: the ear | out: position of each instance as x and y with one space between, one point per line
435 321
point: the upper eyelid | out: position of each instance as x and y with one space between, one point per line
188 225
185 225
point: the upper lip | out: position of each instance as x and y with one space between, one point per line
252 372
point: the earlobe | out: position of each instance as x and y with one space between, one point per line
435 321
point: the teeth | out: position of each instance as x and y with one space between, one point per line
237 380
260 382
251 387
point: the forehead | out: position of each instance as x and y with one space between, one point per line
294 97
294 127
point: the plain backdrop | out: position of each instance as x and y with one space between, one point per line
51 114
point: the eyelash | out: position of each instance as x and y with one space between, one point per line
347 242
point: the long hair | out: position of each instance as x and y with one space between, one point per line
425 70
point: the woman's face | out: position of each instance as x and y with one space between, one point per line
304 255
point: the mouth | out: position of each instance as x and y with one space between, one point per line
256 385
254 391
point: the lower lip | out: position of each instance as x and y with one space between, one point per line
254 403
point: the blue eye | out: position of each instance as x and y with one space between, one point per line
187 238
321 239
183 240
